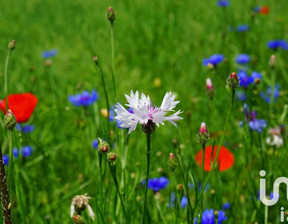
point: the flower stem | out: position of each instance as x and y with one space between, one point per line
5 77
113 172
4 193
202 180
147 177
218 150
113 57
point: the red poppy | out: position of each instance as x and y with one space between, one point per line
22 105
264 10
225 159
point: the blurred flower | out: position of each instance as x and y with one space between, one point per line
22 105
209 88
245 79
95 144
144 113
25 128
26 151
242 59
157 184
84 98
79 204
256 76
226 206
225 159
242 28
264 10
257 125
208 217
267 96
184 202
214 60
275 44
5 160
49 54
223 3
275 138
241 96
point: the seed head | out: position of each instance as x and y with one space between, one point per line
9 120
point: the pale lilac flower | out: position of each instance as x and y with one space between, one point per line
144 111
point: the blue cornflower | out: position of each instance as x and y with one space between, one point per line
95 144
267 96
25 128
256 9
208 217
84 98
215 59
221 216
26 151
223 3
275 44
245 79
255 76
5 160
49 54
242 28
226 206
184 202
156 184
242 59
241 96
257 125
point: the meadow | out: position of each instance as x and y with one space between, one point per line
79 59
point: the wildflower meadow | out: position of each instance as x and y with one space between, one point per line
139 112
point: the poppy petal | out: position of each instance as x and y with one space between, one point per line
22 105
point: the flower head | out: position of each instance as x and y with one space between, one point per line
79 204
157 184
214 60
145 113
242 28
5 160
267 95
257 125
242 59
22 105
84 98
26 151
264 10
49 54
275 44
25 128
223 3
225 159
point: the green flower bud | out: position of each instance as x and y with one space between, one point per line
172 162
203 136
12 44
78 219
111 16
233 80
9 120
111 157
103 147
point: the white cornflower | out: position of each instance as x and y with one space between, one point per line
142 111
275 140
79 203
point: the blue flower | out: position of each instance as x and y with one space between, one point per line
26 151
257 125
267 96
184 202
242 59
5 160
275 44
156 184
84 98
95 144
255 76
256 9
223 3
208 217
25 129
242 28
226 206
221 216
215 59
49 54
245 79
241 96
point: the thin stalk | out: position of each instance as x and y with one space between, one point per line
6 205
160 211
202 180
113 57
186 187
5 75
273 74
113 172
218 150
147 176
266 215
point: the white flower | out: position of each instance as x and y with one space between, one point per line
274 140
143 111
79 203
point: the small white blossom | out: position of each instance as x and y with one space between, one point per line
142 111
79 203
275 140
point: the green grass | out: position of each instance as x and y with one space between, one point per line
153 39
